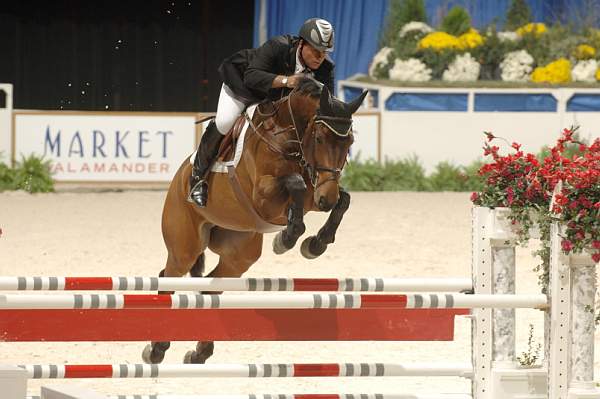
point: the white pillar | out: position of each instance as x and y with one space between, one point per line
503 268
13 382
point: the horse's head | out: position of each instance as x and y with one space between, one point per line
326 142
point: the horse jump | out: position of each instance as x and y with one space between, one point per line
494 372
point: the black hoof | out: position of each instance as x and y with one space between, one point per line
153 354
201 354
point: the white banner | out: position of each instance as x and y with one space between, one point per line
107 147
366 146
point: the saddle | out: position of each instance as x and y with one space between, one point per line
229 143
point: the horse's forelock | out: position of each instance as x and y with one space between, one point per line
309 87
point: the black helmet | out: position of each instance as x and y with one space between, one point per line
318 33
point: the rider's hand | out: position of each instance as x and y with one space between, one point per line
293 80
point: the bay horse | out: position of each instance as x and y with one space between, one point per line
293 155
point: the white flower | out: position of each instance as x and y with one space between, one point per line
380 59
411 70
464 68
516 66
508 36
585 71
420 27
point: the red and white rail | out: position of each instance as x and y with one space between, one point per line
55 371
295 396
234 284
269 301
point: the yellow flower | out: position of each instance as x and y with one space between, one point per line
439 41
469 40
558 71
584 52
598 74
532 28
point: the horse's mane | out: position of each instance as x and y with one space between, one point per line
308 86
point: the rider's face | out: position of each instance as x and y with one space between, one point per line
312 57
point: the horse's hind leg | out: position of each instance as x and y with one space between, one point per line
237 252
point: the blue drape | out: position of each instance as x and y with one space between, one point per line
359 23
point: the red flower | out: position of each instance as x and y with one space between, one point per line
490 136
596 244
596 257
516 146
474 197
566 245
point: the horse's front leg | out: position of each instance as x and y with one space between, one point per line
286 239
314 246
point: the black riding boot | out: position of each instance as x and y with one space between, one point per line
205 157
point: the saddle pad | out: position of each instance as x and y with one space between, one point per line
221 166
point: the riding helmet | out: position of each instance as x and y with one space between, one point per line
318 33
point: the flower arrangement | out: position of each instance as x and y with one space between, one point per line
415 27
411 70
380 60
439 41
469 40
522 183
464 68
516 66
584 52
508 36
585 71
535 29
558 71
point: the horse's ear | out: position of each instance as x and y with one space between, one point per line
325 102
354 104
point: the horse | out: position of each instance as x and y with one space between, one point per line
294 151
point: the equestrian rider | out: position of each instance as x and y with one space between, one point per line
253 75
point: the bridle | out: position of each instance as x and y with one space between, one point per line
299 156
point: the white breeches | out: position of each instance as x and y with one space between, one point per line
228 110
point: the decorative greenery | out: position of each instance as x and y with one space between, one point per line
456 22
409 175
32 174
400 13
532 355
518 14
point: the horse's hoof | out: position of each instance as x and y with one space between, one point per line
312 248
150 356
195 357
278 246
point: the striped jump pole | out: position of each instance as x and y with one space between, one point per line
297 370
234 284
270 301
295 396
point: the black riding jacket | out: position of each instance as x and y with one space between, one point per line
250 72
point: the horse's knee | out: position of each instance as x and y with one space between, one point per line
344 201
295 183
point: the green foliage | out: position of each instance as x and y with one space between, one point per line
7 178
532 355
491 53
437 61
518 15
456 22
32 174
409 175
400 13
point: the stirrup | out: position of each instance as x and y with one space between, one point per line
201 188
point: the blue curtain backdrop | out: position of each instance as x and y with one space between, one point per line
359 23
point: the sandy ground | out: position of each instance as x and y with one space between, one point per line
383 234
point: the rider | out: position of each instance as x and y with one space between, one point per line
253 75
